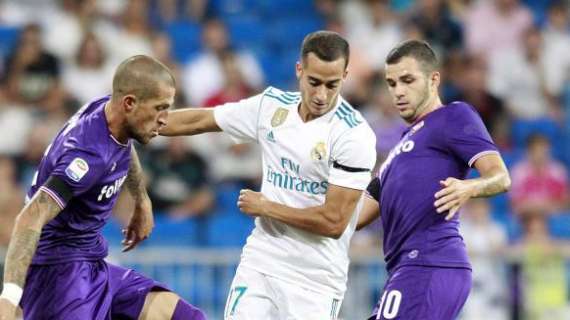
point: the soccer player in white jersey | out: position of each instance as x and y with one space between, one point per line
318 153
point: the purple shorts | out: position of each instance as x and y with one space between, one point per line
427 293
85 290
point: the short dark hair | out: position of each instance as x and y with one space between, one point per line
326 45
421 51
536 138
141 75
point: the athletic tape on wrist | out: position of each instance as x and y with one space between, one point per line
12 292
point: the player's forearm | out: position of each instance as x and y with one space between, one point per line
22 247
318 220
21 250
135 180
494 183
189 121
370 212
26 234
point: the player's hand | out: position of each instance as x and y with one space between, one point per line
251 202
454 194
140 226
7 310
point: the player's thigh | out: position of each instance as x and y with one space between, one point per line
159 305
300 303
74 290
415 292
130 290
250 297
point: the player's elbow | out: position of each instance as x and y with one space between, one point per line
335 226
506 182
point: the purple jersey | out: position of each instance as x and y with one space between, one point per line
93 165
445 143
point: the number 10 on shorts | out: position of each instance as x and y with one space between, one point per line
389 305
233 300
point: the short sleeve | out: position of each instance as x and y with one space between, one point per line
240 119
466 134
79 170
353 158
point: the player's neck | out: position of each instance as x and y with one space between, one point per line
431 105
115 122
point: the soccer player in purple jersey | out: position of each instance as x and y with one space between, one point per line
421 186
55 267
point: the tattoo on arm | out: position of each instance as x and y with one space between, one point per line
26 235
134 182
490 186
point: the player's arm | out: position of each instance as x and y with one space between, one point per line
142 221
371 206
190 121
329 219
41 209
494 179
238 119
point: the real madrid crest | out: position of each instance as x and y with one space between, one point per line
319 152
279 117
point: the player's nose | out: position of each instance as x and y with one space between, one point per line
321 94
162 118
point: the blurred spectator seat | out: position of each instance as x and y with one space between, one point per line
185 38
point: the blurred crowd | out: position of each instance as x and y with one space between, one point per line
508 58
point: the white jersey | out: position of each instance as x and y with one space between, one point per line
300 160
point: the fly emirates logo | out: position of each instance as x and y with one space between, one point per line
288 178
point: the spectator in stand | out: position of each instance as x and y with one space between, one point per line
203 76
441 30
32 69
544 279
376 33
235 87
130 36
180 186
11 198
486 240
539 183
162 50
556 44
64 27
495 25
518 77
473 90
90 74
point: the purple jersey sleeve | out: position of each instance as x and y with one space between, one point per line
79 170
466 134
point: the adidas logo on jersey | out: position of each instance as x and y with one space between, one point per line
270 137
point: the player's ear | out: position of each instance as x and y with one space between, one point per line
435 78
129 102
298 69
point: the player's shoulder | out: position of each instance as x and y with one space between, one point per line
87 129
277 97
458 107
347 120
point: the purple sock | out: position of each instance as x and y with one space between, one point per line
186 311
